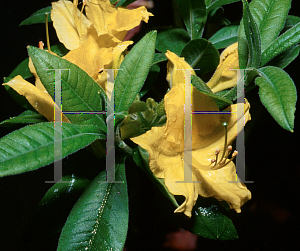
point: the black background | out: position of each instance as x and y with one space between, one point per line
270 220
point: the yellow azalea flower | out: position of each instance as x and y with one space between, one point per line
71 25
176 67
165 146
224 77
40 100
116 21
95 40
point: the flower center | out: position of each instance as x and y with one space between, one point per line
223 161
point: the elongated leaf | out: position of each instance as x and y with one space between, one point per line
23 69
141 158
270 16
159 57
56 204
288 39
32 146
290 22
252 36
225 36
80 93
27 117
99 219
285 58
201 54
124 3
173 40
151 78
38 17
135 68
202 87
217 3
278 94
194 16
210 221
21 100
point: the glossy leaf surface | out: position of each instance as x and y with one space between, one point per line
135 68
99 219
278 94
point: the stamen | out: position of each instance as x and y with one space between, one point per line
217 154
47 33
234 154
225 143
41 45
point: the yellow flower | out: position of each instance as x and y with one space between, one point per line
165 146
224 77
71 25
40 100
95 41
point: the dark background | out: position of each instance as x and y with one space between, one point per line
269 221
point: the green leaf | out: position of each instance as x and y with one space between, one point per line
225 36
27 117
124 3
80 93
200 53
99 219
21 100
59 49
159 57
32 147
173 40
217 3
141 158
270 16
216 17
288 39
151 78
203 88
22 69
194 16
135 68
252 36
210 221
56 205
38 17
278 94
285 58
290 22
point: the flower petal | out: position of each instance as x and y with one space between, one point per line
224 77
109 19
40 101
176 66
69 31
220 184
93 55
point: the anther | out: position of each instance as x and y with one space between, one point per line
217 154
41 45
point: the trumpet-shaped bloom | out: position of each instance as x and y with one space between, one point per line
165 146
225 75
72 25
95 41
